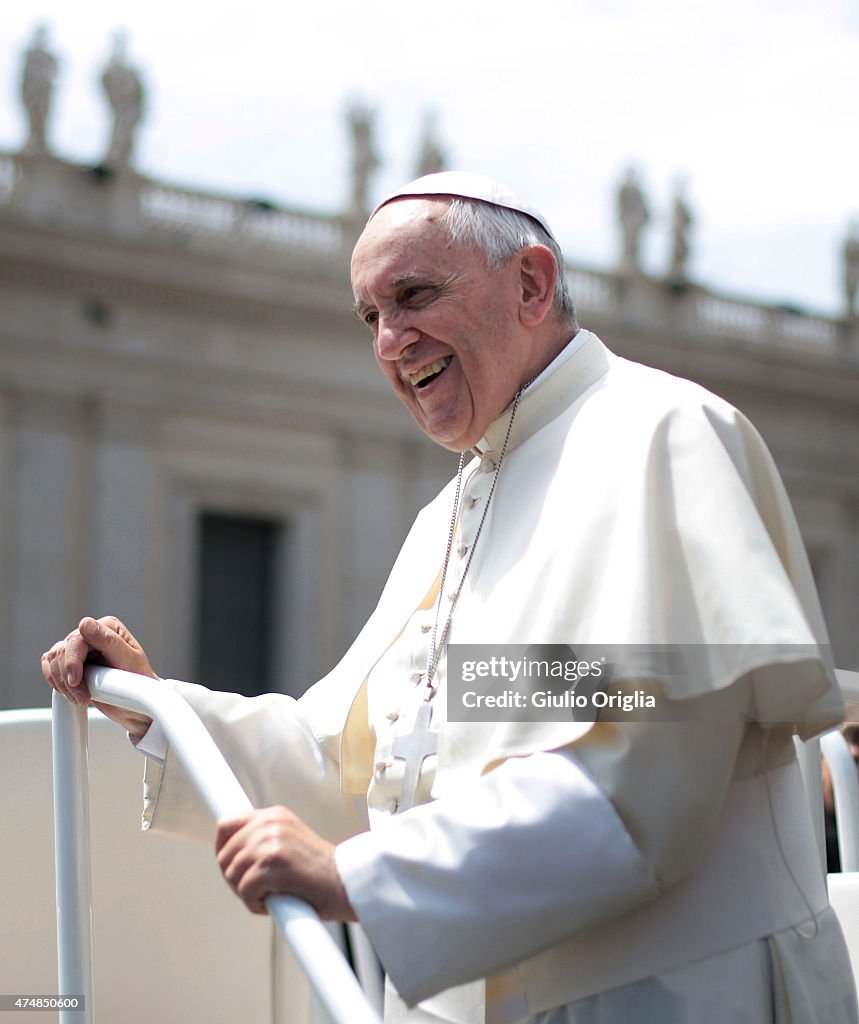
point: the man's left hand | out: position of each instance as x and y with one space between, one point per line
272 852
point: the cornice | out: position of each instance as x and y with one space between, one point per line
154 276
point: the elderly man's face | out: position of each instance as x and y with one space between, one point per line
445 328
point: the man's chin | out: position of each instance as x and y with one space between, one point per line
447 436
455 432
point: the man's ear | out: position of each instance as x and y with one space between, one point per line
538 274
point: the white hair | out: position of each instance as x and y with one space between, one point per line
500 233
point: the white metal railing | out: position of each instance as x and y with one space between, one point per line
328 972
845 791
845 787
843 780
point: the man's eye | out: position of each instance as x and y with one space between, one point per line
371 318
414 292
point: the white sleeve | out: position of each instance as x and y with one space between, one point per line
276 757
517 857
152 744
535 850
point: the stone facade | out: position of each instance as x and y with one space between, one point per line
165 352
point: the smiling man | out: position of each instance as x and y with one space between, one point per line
455 334
629 870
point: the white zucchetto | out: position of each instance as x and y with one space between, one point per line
466 185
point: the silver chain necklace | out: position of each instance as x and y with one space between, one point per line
415 746
437 643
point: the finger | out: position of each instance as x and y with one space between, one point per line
54 670
253 887
74 654
227 828
115 644
248 869
234 866
238 846
57 667
47 664
236 860
101 636
74 686
112 623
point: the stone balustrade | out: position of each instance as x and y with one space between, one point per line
767 325
163 206
8 174
129 205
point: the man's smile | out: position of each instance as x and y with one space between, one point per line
420 378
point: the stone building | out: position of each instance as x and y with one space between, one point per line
194 434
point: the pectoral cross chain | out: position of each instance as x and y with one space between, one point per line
413 748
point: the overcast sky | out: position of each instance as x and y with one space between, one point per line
754 103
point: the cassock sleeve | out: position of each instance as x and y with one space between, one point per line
276 757
542 846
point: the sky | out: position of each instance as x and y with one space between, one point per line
752 104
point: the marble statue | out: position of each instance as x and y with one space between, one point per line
431 157
633 215
682 222
365 160
125 95
37 89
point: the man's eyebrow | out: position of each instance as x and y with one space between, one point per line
395 285
404 280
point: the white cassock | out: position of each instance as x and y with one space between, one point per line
620 872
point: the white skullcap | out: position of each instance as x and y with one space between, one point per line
466 185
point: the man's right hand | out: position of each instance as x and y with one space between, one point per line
105 641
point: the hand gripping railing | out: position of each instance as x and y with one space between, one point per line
328 972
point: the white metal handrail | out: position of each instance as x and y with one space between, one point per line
845 792
328 972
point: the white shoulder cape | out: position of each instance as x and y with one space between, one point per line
632 507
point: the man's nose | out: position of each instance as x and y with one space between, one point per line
394 334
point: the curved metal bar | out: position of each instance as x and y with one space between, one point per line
69 731
328 972
845 790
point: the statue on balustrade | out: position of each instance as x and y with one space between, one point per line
125 94
850 255
37 90
431 157
682 221
634 216
365 160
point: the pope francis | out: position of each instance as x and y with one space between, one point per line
655 867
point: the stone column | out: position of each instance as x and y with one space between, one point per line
849 648
6 593
45 581
374 524
126 528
